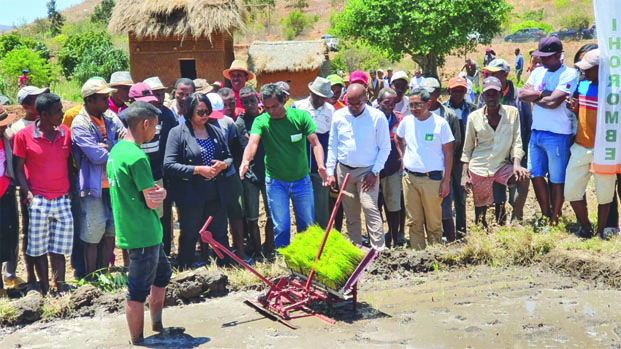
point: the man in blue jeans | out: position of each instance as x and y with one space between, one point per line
282 132
548 151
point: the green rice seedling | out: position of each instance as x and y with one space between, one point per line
338 260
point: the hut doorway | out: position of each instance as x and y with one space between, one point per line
187 68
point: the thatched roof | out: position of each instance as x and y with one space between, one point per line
180 18
293 56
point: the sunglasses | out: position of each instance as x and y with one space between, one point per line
202 112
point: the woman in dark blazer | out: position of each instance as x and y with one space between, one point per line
195 162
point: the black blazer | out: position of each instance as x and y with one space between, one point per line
183 153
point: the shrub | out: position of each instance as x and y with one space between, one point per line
294 24
73 51
100 61
532 15
531 24
577 21
40 71
358 57
561 3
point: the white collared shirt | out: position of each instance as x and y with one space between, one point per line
322 117
358 141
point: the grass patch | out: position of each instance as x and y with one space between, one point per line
104 280
69 90
7 312
57 307
338 260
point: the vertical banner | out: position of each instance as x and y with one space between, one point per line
607 157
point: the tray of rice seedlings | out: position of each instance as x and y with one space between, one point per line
338 260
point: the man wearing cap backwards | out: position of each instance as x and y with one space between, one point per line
548 151
321 113
167 121
359 145
457 88
121 81
135 197
94 131
499 68
182 89
254 179
492 150
9 221
390 175
375 85
578 174
432 85
26 97
238 74
23 79
282 132
42 153
426 142
235 206
472 71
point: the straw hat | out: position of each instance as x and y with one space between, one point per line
238 65
6 118
202 86
121 78
155 83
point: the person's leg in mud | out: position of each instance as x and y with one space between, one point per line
143 263
158 291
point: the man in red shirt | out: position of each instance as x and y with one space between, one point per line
238 74
42 151
23 79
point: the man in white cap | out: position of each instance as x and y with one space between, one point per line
492 150
235 206
321 112
499 68
238 74
432 85
359 144
167 121
578 169
26 97
94 131
121 81
399 83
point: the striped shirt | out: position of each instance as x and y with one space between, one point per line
587 114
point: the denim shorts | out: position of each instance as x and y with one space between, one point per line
548 152
148 267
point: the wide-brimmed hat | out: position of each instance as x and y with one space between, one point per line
155 83
549 46
121 78
589 60
6 118
498 64
202 86
238 65
321 87
28 91
96 86
142 92
217 106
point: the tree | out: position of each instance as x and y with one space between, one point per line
73 51
11 66
103 12
428 30
294 24
57 20
101 61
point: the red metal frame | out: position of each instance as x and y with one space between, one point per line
291 294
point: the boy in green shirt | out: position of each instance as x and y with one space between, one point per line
135 197
282 132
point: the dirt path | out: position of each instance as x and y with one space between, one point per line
480 307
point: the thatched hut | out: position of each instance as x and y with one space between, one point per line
298 61
178 38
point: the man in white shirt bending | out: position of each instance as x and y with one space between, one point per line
360 143
426 143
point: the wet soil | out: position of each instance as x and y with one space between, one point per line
477 307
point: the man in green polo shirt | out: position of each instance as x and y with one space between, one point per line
282 132
135 197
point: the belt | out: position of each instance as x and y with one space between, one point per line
349 167
423 174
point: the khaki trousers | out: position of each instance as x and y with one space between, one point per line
423 207
354 199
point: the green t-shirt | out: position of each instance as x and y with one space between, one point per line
284 141
129 174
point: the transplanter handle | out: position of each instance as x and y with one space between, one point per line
207 238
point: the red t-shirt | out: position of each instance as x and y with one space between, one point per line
46 162
4 180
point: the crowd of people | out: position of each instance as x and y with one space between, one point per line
107 172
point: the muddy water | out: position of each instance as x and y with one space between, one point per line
480 308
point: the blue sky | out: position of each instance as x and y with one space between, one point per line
19 11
